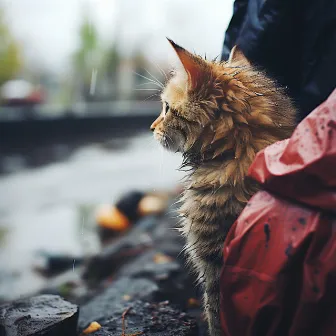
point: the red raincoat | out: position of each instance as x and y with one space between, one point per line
279 274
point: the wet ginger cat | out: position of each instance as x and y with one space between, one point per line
218 115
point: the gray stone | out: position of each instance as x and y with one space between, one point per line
172 279
133 294
151 319
144 284
44 315
121 251
146 267
114 300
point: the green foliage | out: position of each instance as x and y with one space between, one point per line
86 56
88 45
93 55
10 58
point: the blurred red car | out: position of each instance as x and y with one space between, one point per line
21 93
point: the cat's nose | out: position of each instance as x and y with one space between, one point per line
156 122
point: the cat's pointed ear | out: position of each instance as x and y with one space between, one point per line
190 63
236 55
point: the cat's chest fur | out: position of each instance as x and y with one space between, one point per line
208 212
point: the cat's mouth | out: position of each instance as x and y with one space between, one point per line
168 142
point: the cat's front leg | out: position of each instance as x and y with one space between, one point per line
212 300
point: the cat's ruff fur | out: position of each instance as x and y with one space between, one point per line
219 115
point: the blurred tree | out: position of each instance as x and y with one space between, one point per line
88 44
10 57
87 58
110 67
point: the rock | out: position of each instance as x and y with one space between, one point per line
116 254
47 315
133 295
68 285
114 300
152 274
152 319
172 279
148 233
146 266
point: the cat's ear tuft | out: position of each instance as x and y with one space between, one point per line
191 63
237 56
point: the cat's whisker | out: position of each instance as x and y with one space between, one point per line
147 90
154 77
148 84
160 69
153 95
151 80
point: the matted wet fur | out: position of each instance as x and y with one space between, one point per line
218 115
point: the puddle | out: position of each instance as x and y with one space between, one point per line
44 208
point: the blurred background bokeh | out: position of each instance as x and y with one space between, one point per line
77 96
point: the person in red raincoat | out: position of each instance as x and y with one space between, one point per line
279 273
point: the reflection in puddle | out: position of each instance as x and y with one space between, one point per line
19 159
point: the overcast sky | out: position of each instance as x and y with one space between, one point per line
48 29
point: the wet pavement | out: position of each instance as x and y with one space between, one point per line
43 209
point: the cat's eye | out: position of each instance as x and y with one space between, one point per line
167 108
